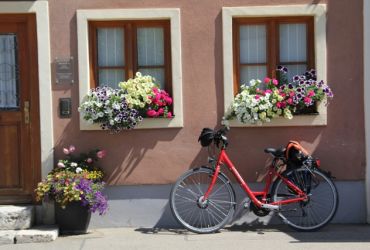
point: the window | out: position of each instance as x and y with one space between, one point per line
269 28
119 49
146 40
261 44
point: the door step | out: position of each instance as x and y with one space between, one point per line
16 226
32 235
16 217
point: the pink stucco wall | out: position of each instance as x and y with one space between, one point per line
159 156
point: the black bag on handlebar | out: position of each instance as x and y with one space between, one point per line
206 137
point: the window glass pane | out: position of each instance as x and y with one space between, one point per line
253 44
248 73
293 70
158 74
150 46
110 47
8 72
111 77
293 42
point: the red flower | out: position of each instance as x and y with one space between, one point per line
151 113
267 80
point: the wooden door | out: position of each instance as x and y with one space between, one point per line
19 109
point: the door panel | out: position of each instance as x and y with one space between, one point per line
19 115
9 165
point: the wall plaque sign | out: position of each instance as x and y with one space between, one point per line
64 70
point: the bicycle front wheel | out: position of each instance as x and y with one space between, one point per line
321 205
195 213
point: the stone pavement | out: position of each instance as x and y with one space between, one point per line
238 237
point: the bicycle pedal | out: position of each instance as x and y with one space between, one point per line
246 205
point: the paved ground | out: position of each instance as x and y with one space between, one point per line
242 237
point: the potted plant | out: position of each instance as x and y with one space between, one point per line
257 104
76 187
123 108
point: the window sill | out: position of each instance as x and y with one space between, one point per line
317 119
147 123
297 121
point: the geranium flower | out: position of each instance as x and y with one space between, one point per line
101 154
267 80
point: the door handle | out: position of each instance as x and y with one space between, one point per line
26 112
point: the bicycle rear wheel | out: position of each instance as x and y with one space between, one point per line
321 205
196 214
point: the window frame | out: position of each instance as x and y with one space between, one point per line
84 16
272 43
131 66
318 12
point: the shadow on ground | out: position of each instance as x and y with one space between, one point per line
332 233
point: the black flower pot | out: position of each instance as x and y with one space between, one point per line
73 219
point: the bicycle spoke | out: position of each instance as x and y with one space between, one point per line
198 216
321 205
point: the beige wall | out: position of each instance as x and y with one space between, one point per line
159 156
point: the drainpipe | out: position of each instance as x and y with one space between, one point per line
366 8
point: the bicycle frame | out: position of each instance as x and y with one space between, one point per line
223 159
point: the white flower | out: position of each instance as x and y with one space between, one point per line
74 164
78 170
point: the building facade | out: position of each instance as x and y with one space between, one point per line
195 50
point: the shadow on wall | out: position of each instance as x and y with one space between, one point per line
125 150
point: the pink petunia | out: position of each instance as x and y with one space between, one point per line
65 151
89 160
256 97
60 165
267 80
101 154
275 82
268 91
290 101
169 115
278 105
160 111
72 148
291 93
155 90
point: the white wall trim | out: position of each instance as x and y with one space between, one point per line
367 101
83 16
318 11
41 8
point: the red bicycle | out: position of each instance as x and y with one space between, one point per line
304 196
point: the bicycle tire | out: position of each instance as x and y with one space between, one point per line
321 206
207 216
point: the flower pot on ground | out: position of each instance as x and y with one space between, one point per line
73 218
76 187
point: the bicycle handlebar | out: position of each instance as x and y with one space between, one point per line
220 136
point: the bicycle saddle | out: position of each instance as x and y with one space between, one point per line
277 152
